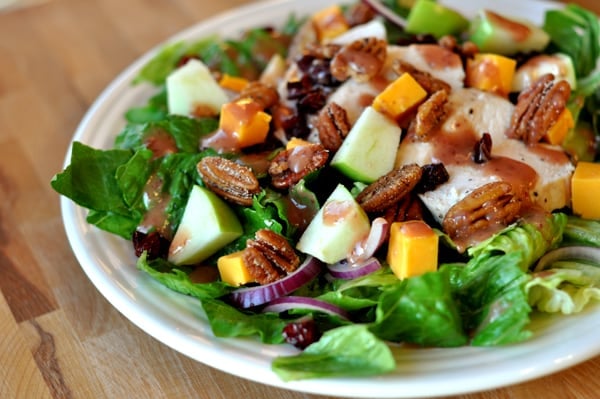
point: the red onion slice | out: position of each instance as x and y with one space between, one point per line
591 254
348 271
385 12
365 249
255 296
300 302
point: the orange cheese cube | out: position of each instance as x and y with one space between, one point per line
233 83
491 72
412 249
233 270
557 133
329 23
246 121
399 97
585 190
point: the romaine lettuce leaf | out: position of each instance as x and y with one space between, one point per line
344 351
420 310
226 321
529 239
580 231
491 296
567 287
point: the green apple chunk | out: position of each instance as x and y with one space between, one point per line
337 227
494 33
207 225
192 89
430 17
369 150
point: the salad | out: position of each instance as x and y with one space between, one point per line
253 180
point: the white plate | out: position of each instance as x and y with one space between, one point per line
179 322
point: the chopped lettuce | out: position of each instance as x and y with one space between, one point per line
345 351
580 231
532 240
566 288
420 310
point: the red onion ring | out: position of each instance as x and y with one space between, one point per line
348 271
365 249
282 304
259 295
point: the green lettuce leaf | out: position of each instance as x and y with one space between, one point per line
344 351
420 310
580 231
492 300
532 240
91 181
178 280
226 321
568 287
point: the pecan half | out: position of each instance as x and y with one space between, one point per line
491 205
276 249
429 115
389 188
538 108
429 83
234 182
322 51
262 93
333 126
408 208
259 267
362 59
360 13
291 165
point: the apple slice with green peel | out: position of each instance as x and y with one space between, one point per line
369 150
494 33
207 225
335 230
192 90
431 17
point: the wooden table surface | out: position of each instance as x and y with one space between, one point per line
59 338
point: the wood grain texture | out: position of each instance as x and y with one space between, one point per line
59 338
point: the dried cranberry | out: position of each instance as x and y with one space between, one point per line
320 73
305 62
153 243
483 149
301 332
299 88
312 102
433 175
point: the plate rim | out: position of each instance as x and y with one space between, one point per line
123 299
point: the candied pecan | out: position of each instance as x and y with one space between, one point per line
429 83
259 267
483 149
433 175
362 59
276 249
429 115
323 51
493 204
408 208
291 165
333 126
389 188
234 182
360 13
465 50
538 108
261 93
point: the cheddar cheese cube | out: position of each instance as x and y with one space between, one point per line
330 23
399 97
233 270
245 121
233 83
557 132
491 72
412 249
585 190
